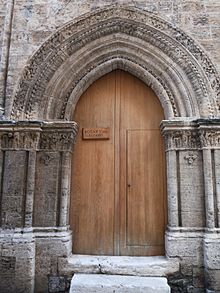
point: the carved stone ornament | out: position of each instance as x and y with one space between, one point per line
46 159
210 138
164 57
56 140
36 136
192 135
190 158
182 139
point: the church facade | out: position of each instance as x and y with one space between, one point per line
109 139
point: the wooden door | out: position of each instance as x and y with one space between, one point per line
118 200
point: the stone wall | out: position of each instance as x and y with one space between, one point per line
34 235
34 22
2 21
34 225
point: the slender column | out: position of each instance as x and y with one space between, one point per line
65 189
1 177
30 189
208 182
172 188
217 182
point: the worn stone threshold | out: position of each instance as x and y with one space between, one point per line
155 266
84 283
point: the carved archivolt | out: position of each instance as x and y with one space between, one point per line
164 57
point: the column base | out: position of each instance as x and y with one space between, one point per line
51 246
17 261
212 261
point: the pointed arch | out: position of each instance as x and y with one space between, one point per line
137 41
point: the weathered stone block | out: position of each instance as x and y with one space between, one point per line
7 273
156 266
46 195
189 248
213 280
212 252
191 189
118 284
13 189
17 263
58 284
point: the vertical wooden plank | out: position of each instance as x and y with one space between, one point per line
117 163
142 180
92 204
145 222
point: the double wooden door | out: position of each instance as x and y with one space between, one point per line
118 200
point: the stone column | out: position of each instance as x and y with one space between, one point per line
209 130
18 145
65 190
172 188
208 183
51 208
34 195
185 195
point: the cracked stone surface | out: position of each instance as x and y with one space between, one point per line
157 266
83 283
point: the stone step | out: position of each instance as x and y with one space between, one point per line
155 266
98 283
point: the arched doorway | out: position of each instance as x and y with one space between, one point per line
118 201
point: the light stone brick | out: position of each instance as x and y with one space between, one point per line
118 284
30 204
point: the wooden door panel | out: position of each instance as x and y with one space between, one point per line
142 209
107 215
92 200
145 222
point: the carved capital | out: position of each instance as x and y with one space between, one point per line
209 138
59 136
19 135
37 135
196 134
180 135
182 139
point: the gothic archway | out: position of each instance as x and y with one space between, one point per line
164 57
187 85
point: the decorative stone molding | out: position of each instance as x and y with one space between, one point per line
19 135
194 134
187 84
46 159
32 135
52 140
190 158
210 138
186 139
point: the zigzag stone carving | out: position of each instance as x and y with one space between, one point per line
182 75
